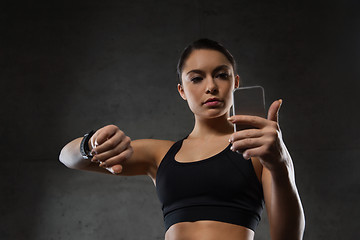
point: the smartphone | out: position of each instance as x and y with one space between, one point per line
248 101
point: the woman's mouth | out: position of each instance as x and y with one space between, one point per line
212 102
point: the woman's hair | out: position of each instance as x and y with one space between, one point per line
203 43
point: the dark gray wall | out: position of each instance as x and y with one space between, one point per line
70 66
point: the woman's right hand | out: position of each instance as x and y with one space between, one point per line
110 147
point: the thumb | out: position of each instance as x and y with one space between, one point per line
117 169
273 112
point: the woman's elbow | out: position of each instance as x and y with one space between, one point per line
71 160
63 158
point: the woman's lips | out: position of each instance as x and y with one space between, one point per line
212 102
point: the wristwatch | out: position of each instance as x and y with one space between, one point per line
84 145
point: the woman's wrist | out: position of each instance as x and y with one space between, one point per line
283 173
280 173
85 146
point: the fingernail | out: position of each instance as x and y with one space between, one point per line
247 157
111 170
232 148
102 164
280 100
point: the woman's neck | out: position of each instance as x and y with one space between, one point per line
213 127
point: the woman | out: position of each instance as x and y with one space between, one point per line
213 183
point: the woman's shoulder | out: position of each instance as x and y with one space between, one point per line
155 147
151 152
155 144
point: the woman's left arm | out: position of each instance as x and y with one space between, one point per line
283 204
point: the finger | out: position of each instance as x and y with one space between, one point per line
117 168
93 140
254 121
110 144
273 113
118 159
104 156
248 133
253 152
247 143
105 133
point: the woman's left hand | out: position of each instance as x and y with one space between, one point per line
264 141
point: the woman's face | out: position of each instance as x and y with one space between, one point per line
207 83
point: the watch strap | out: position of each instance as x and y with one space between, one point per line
84 145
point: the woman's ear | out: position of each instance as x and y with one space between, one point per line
237 81
181 91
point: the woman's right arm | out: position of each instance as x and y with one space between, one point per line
113 149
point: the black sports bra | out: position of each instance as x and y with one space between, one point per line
221 188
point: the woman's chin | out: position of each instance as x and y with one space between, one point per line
215 114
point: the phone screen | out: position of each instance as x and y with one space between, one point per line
248 101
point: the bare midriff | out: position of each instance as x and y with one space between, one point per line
208 230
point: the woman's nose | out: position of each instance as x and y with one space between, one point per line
211 86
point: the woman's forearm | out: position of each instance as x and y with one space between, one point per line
285 210
71 157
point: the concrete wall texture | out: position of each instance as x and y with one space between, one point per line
70 66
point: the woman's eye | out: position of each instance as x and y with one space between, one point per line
196 79
223 75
